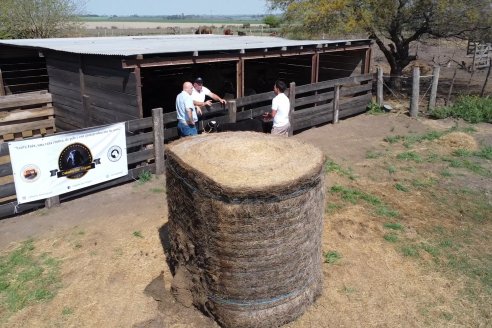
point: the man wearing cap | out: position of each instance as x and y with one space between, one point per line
185 111
199 93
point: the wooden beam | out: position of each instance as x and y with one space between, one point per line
315 68
366 64
292 100
25 99
189 60
240 78
414 104
158 140
138 79
435 82
232 109
2 88
336 103
379 90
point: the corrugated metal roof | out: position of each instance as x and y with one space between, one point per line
159 44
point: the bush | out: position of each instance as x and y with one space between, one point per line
272 21
472 109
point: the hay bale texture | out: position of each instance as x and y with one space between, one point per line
245 224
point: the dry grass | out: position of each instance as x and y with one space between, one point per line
427 264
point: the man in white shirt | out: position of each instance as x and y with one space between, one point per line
185 111
200 92
280 110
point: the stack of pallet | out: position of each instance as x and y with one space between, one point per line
26 115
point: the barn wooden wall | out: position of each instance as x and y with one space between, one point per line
21 70
91 90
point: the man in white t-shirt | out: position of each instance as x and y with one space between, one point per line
280 110
185 112
200 92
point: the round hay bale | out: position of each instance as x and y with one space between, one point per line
458 140
245 224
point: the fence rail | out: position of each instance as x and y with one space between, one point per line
312 105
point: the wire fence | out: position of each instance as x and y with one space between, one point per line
452 82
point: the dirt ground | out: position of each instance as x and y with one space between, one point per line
114 271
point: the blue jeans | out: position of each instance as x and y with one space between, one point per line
186 129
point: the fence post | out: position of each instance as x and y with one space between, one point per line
380 87
451 86
232 107
414 105
52 201
336 102
158 121
292 100
435 81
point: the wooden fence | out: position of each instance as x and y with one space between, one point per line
311 105
141 136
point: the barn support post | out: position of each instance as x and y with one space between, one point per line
315 68
433 94
366 64
379 94
240 78
158 121
2 88
83 97
336 103
232 108
138 78
315 71
52 202
414 104
292 100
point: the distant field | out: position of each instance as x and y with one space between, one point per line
156 25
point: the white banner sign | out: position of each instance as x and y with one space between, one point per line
50 166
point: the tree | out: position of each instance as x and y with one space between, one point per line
38 18
400 21
272 21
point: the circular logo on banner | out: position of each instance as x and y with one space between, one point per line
30 173
114 153
74 161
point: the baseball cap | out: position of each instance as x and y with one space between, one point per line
199 80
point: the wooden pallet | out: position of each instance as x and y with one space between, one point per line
26 115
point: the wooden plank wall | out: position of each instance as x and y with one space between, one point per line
334 65
26 115
140 155
21 70
91 90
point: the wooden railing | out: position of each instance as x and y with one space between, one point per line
313 104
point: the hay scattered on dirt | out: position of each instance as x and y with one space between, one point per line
458 140
245 226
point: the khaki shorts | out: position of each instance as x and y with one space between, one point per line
281 130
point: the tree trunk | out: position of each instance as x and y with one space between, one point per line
396 76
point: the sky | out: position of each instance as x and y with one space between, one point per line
175 7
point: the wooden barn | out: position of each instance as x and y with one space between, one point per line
96 81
